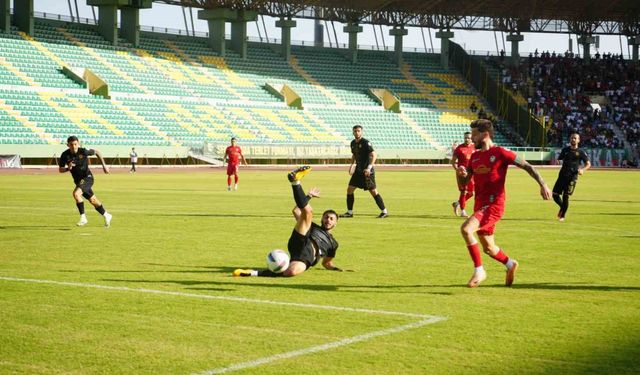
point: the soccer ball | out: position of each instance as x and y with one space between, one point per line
278 261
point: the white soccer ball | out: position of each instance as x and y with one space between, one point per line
278 260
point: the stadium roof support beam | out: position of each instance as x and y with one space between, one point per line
353 29
5 16
239 30
286 24
216 19
634 42
398 32
23 15
130 19
586 41
515 39
444 35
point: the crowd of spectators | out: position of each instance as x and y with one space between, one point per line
562 87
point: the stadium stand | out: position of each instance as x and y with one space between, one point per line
176 92
565 87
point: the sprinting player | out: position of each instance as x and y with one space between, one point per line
363 176
76 161
489 165
232 155
462 157
133 156
309 242
571 157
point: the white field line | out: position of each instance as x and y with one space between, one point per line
319 348
424 319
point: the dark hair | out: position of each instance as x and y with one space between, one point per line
483 125
72 138
234 139
331 212
357 127
467 133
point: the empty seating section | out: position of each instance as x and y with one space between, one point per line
175 91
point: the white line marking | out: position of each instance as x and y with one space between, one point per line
424 319
319 348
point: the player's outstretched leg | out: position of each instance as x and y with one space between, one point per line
298 173
242 272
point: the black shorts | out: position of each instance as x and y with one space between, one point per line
359 180
565 184
301 249
85 185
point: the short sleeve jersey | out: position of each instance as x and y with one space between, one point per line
81 161
327 245
361 151
463 153
233 154
571 160
490 173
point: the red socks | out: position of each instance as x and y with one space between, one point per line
501 257
474 251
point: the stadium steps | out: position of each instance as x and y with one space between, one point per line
146 124
99 58
293 62
420 131
25 122
17 72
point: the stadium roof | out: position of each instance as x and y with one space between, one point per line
576 16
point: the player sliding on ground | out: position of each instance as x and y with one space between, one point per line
309 242
488 167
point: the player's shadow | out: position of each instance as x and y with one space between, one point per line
559 286
33 227
416 216
222 215
198 269
218 286
603 201
193 284
615 213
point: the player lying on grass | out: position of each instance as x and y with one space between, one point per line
309 242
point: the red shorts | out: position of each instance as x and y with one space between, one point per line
468 187
488 216
232 169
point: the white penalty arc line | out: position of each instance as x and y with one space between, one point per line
424 319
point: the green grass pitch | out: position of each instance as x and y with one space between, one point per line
154 294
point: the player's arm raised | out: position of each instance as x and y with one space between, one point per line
545 192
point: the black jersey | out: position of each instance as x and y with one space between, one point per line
81 161
327 245
571 159
361 151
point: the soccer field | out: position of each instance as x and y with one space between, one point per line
154 294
